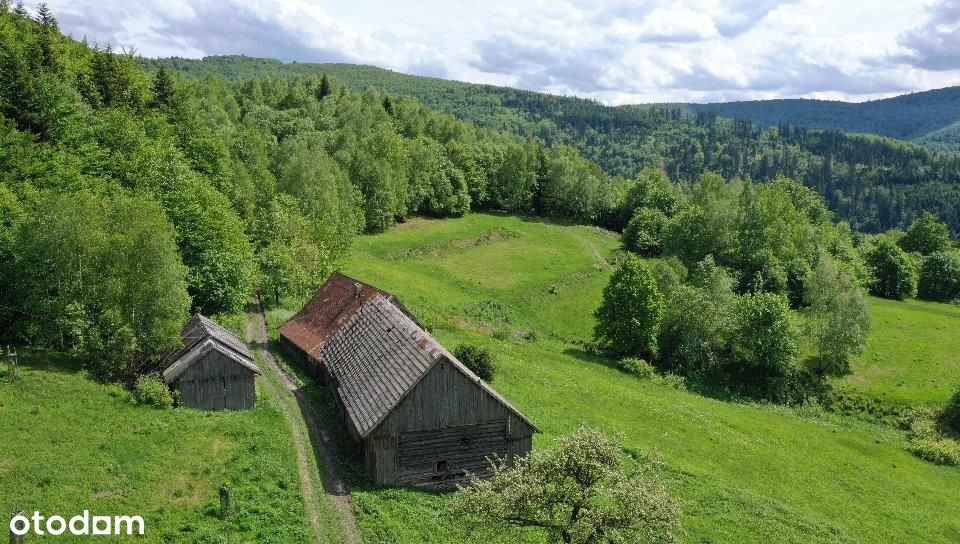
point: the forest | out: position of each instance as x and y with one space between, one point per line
131 197
873 182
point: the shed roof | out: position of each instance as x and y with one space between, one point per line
336 302
379 355
199 336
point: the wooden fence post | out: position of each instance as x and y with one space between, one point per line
15 538
12 363
225 509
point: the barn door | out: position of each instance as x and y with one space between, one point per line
439 455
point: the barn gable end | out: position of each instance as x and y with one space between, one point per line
213 370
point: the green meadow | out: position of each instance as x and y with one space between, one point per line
69 443
745 472
914 352
527 289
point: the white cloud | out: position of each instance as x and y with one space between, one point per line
668 25
612 50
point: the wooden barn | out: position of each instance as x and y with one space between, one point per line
214 370
419 416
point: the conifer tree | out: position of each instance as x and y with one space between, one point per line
45 17
325 87
388 105
163 88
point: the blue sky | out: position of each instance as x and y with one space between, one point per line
611 50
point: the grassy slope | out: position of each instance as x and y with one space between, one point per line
747 473
913 355
69 444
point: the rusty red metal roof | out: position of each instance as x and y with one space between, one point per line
336 302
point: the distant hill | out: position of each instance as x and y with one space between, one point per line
876 182
915 116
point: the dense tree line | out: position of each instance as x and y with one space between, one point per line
872 182
755 288
223 186
746 275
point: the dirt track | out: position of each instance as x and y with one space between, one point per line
316 444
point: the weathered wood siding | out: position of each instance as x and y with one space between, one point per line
217 382
448 419
302 359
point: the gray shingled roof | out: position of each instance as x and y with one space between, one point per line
378 356
199 336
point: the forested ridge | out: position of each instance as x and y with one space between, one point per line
874 182
905 117
131 197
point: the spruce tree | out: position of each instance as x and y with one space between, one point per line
163 88
45 17
325 87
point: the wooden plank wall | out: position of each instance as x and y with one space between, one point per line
462 449
217 382
446 397
446 417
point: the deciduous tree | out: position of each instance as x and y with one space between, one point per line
628 319
578 492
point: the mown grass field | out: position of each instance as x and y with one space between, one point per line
68 443
746 473
914 352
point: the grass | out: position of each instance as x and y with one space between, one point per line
913 355
745 472
69 444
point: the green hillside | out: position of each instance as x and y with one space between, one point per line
907 117
875 182
71 444
912 356
946 139
747 473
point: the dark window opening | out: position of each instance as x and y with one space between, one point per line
441 466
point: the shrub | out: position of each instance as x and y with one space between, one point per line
894 272
478 359
152 391
940 277
950 416
628 319
938 450
644 232
673 381
638 367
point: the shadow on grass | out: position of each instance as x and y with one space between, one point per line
704 386
40 359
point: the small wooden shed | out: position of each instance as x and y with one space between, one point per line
419 416
214 370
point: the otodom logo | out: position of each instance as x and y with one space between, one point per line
80 525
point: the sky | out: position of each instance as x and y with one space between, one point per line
610 50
